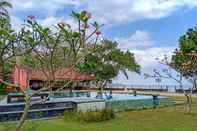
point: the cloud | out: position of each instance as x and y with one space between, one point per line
16 22
51 21
47 6
139 40
146 51
147 58
110 12
119 11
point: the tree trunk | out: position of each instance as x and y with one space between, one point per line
188 109
100 90
101 86
1 69
104 84
195 83
24 116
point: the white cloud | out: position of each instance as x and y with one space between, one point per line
109 12
144 47
49 21
147 58
53 21
47 6
16 22
118 11
139 40
146 51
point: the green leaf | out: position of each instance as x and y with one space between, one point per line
4 32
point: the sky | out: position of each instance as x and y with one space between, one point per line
148 28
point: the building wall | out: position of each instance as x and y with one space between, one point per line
20 77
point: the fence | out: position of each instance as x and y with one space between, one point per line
167 88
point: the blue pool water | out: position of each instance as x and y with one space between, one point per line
104 95
119 101
96 95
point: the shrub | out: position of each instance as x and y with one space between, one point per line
71 115
98 116
108 114
90 116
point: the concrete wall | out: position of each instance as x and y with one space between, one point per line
91 106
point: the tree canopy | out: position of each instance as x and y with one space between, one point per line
12 42
184 59
107 61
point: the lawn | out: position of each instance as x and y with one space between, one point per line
161 119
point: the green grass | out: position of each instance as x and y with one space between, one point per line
161 119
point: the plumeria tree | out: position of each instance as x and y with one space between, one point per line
48 50
77 41
54 49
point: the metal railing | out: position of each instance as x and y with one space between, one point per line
170 88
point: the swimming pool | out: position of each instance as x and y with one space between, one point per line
120 101
116 101
104 95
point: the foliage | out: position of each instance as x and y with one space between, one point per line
71 115
69 44
2 89
90 116
12 42
184 59
4 14
54 49
107 60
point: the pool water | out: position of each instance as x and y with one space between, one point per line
116 101
119 101
104 95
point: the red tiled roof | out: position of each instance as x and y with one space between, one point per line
61 74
